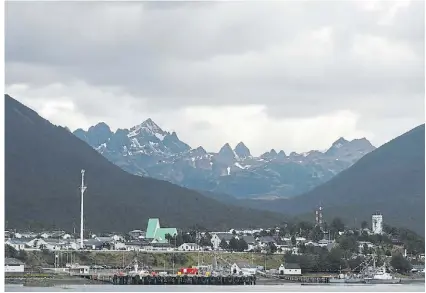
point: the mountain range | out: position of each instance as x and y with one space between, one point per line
147 150
42 179
389 180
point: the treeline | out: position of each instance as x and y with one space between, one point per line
318 259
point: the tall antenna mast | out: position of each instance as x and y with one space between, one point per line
82 189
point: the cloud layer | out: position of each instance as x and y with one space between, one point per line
283 75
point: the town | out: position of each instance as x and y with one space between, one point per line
305 247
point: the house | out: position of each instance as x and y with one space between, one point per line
290 269
13 265
188 247
78 269
93 244
250 240
239 268
265 240
17 243
54 244
137 234
155 232
217 238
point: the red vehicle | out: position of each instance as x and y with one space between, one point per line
188 271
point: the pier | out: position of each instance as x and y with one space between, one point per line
305 279
125 279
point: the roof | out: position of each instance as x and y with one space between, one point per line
226 236
190 244
267 239
92 242
153 225
54 241
105 239
18 240
248 239
160 233
292 266
12 261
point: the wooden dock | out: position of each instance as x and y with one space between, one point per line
305 279
125 279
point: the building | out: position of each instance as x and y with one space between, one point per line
188 247
13 265
290 269
17 243
78 270
377 223
217 238
157 234
239 268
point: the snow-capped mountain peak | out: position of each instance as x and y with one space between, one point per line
148 127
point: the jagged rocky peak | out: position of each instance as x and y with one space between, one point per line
226 147
242 151
363 143
281 154
269 155
147 127
101 126
226 154
199 151
339 143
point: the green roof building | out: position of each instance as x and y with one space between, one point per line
158 234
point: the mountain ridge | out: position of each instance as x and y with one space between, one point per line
159 154
43 163
390 179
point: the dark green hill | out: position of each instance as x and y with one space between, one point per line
42 178
390 179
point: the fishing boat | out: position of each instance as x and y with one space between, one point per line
380 276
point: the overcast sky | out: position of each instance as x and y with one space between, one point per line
286 75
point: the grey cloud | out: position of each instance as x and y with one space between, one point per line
175 55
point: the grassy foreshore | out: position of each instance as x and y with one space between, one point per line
45 259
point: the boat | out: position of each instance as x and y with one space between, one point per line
346 279
136 270
380 276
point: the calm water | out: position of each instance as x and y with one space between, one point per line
195 288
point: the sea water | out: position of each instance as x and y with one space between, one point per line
416 287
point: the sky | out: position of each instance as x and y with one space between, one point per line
292 76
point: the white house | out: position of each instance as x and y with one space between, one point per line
13 265
78 269
290 269
240 268
188 247
217 238
18 244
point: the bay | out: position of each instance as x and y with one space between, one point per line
417 287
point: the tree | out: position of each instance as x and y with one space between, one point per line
293 240
271 247
365 249
364 225
348 244
168 237
223 244
316 234
400 263
233 244
9 251
337 225
242 245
